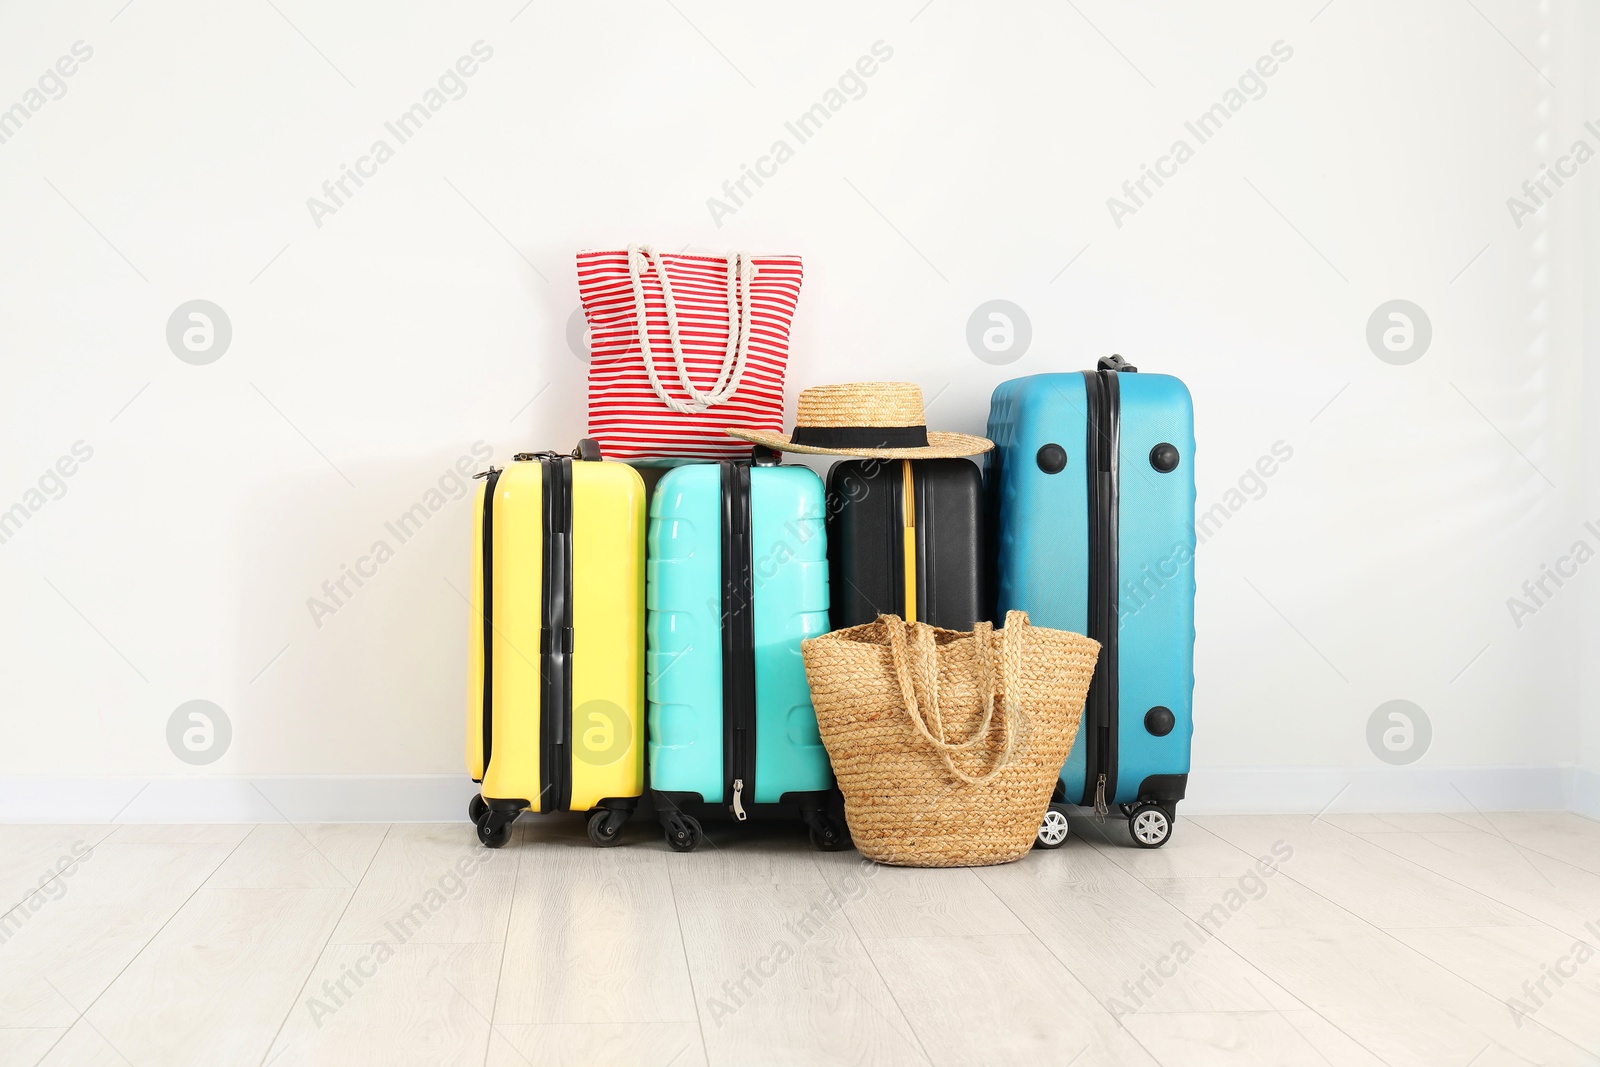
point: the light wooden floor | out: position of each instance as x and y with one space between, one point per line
1377 940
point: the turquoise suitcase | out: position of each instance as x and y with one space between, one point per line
1091 492
736 578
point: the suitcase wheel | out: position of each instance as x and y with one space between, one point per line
1053 829
605 826
494 827
494 830
683 831
1150 825
827 835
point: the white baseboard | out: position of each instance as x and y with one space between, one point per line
1583 792
443 797
365 798
1302 790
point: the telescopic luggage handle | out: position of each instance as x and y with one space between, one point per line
1117 363
588 450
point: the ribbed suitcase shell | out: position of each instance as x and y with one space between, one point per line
684 657
607 543
866 542
1042 554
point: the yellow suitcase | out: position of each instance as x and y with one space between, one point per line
555 702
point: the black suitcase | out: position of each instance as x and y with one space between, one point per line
879 549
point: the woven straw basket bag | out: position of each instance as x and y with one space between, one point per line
947 745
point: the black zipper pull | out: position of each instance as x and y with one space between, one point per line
485 474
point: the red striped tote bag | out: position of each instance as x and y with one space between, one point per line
684 348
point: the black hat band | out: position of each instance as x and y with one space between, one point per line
860 436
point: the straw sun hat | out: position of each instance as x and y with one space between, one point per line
881 420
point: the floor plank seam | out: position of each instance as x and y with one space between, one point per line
1148 1051
325 944
866 950
1474 919
1239 951
1495 997
688 968
1532 921
1318 1012
29 895
1562 862
1215 937
1087 990
1384 933
1312 1044
1497 832
500 971
148 941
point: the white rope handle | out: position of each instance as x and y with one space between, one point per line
741 272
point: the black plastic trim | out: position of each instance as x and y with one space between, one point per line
567 635
1102 444
814 805
547 694
1111 520
809 798
1164 788
824 801
1090 733
674 799
555 639
488 616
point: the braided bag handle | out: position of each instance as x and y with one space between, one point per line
916 661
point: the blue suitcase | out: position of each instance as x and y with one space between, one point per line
736 578
1091 496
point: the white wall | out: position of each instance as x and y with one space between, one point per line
369 353
1587 784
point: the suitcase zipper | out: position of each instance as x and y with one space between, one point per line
738 638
